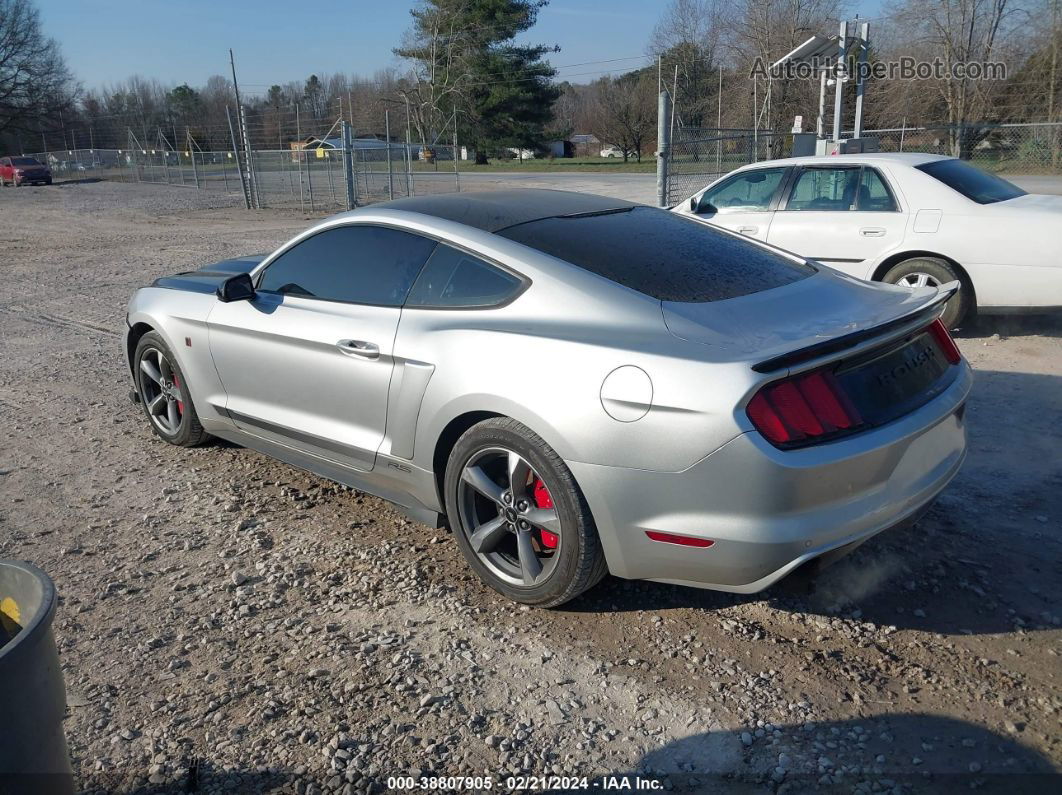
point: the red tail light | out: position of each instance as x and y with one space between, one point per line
804 408
945 342
800 408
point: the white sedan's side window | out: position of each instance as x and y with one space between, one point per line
874 194
831 189
750 191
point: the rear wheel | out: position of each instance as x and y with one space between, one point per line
933 272
164 393
519 517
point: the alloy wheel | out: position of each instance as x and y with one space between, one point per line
508 516
918 280
160 389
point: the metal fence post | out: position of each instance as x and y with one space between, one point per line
195 169
348 163
663 138
390 176
457 172
409 164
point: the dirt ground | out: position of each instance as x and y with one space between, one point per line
229 623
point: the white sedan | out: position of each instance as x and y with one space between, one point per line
903 218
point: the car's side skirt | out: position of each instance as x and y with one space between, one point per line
390 483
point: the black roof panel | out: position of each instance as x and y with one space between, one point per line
494 210
661 254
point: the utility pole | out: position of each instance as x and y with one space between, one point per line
838 88
864 45
235 85
236 154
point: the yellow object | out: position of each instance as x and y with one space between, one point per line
320 152
10 616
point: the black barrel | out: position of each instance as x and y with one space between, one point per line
33 755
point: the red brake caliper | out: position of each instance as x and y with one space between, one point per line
543 500
177 383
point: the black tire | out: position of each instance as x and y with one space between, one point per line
580 561
187 431
941 271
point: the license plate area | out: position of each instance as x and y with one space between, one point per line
887 384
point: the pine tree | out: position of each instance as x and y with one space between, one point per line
465 62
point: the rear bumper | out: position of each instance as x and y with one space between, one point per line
770 511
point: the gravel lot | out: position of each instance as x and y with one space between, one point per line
230 623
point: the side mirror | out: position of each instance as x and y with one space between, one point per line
701 205
236 288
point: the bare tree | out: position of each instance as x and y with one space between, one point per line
960 32
764 31
687 38
35 84
623 112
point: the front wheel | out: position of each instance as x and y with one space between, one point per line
519 517
933 272
164 393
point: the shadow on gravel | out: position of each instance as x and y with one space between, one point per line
200 776
923 753
1049 325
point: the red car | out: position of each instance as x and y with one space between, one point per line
20 170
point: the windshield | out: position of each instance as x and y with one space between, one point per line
24 161
971 182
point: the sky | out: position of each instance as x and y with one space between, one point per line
274 41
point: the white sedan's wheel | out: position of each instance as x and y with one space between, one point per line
918 280
933 272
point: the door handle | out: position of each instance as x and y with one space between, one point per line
748 230
366 350
872 231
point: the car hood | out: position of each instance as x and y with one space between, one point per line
822 307
208 278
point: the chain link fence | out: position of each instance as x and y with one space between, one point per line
1027 149
308 179
700 155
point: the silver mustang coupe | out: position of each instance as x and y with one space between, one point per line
574 384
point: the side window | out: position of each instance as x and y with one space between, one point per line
355 264
750 191
453 278
831 189
874 195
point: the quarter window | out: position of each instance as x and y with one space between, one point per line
750 191
452 278
829 189
874 195
355 264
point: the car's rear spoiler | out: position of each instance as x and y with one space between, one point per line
927 312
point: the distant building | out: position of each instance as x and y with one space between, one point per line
586 145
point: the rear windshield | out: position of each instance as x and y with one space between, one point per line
660 254
971 182
24 161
